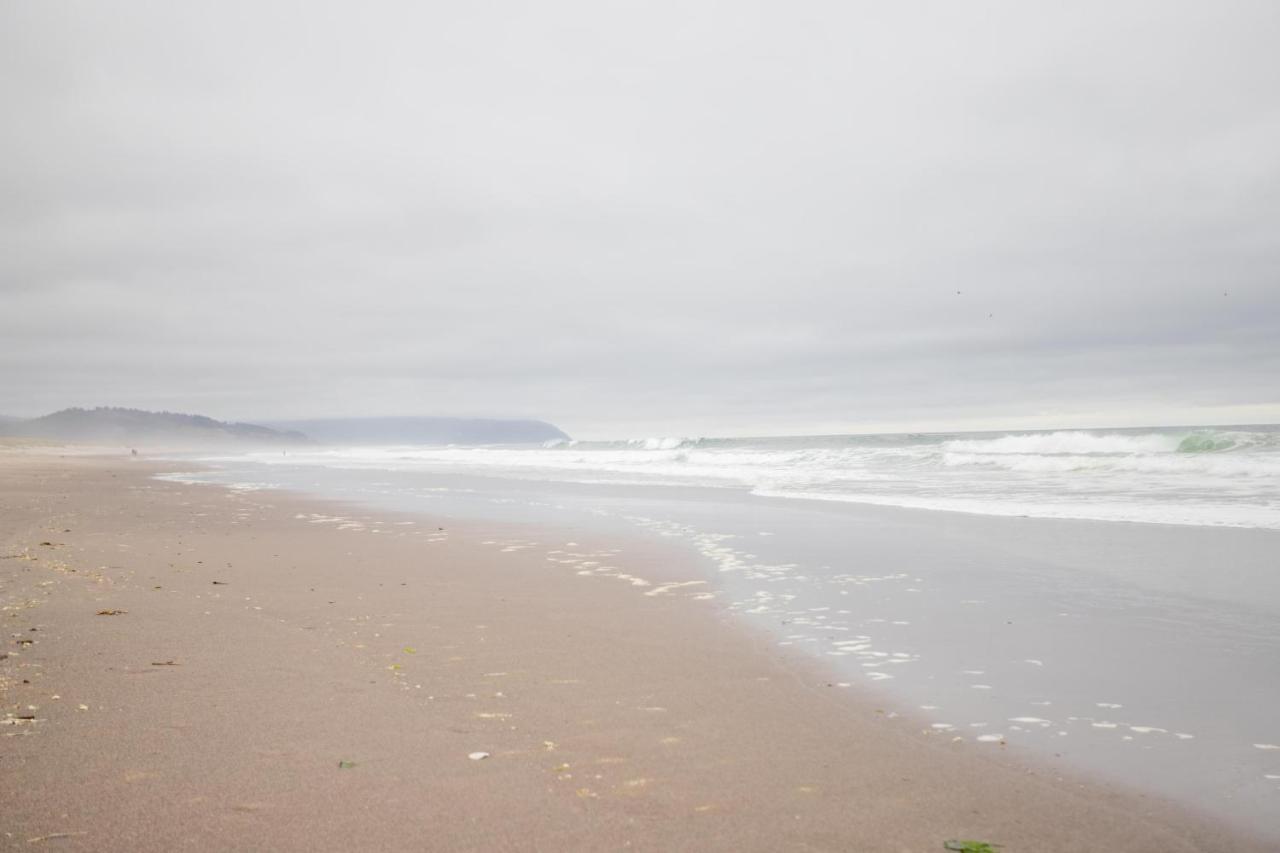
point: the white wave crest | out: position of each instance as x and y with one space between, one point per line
662 443
1068 441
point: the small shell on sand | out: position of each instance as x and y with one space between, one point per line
478 756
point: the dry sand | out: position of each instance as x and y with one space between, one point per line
254 650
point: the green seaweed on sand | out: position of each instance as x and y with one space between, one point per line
346 765
970 846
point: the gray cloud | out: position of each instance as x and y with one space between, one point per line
644 217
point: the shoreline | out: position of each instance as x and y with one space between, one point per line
669 727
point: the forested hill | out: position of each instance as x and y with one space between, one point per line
117 426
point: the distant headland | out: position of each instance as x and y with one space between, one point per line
114 425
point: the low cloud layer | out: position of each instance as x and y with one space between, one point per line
644 217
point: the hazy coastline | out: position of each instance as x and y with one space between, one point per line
1141 652
685 722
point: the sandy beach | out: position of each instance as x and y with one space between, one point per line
191 667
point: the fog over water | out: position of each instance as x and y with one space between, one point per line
645 219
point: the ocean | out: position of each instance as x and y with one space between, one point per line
1106 599
1174 475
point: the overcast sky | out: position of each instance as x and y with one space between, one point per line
647 217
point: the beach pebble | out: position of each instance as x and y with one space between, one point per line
478 756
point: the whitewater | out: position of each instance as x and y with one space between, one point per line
1208 476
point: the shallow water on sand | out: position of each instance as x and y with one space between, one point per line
1149 654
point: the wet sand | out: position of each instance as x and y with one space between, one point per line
276 675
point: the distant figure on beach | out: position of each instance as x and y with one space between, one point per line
134 452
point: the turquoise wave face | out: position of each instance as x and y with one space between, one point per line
1201 443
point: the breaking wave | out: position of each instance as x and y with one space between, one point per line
1068 442
661 443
